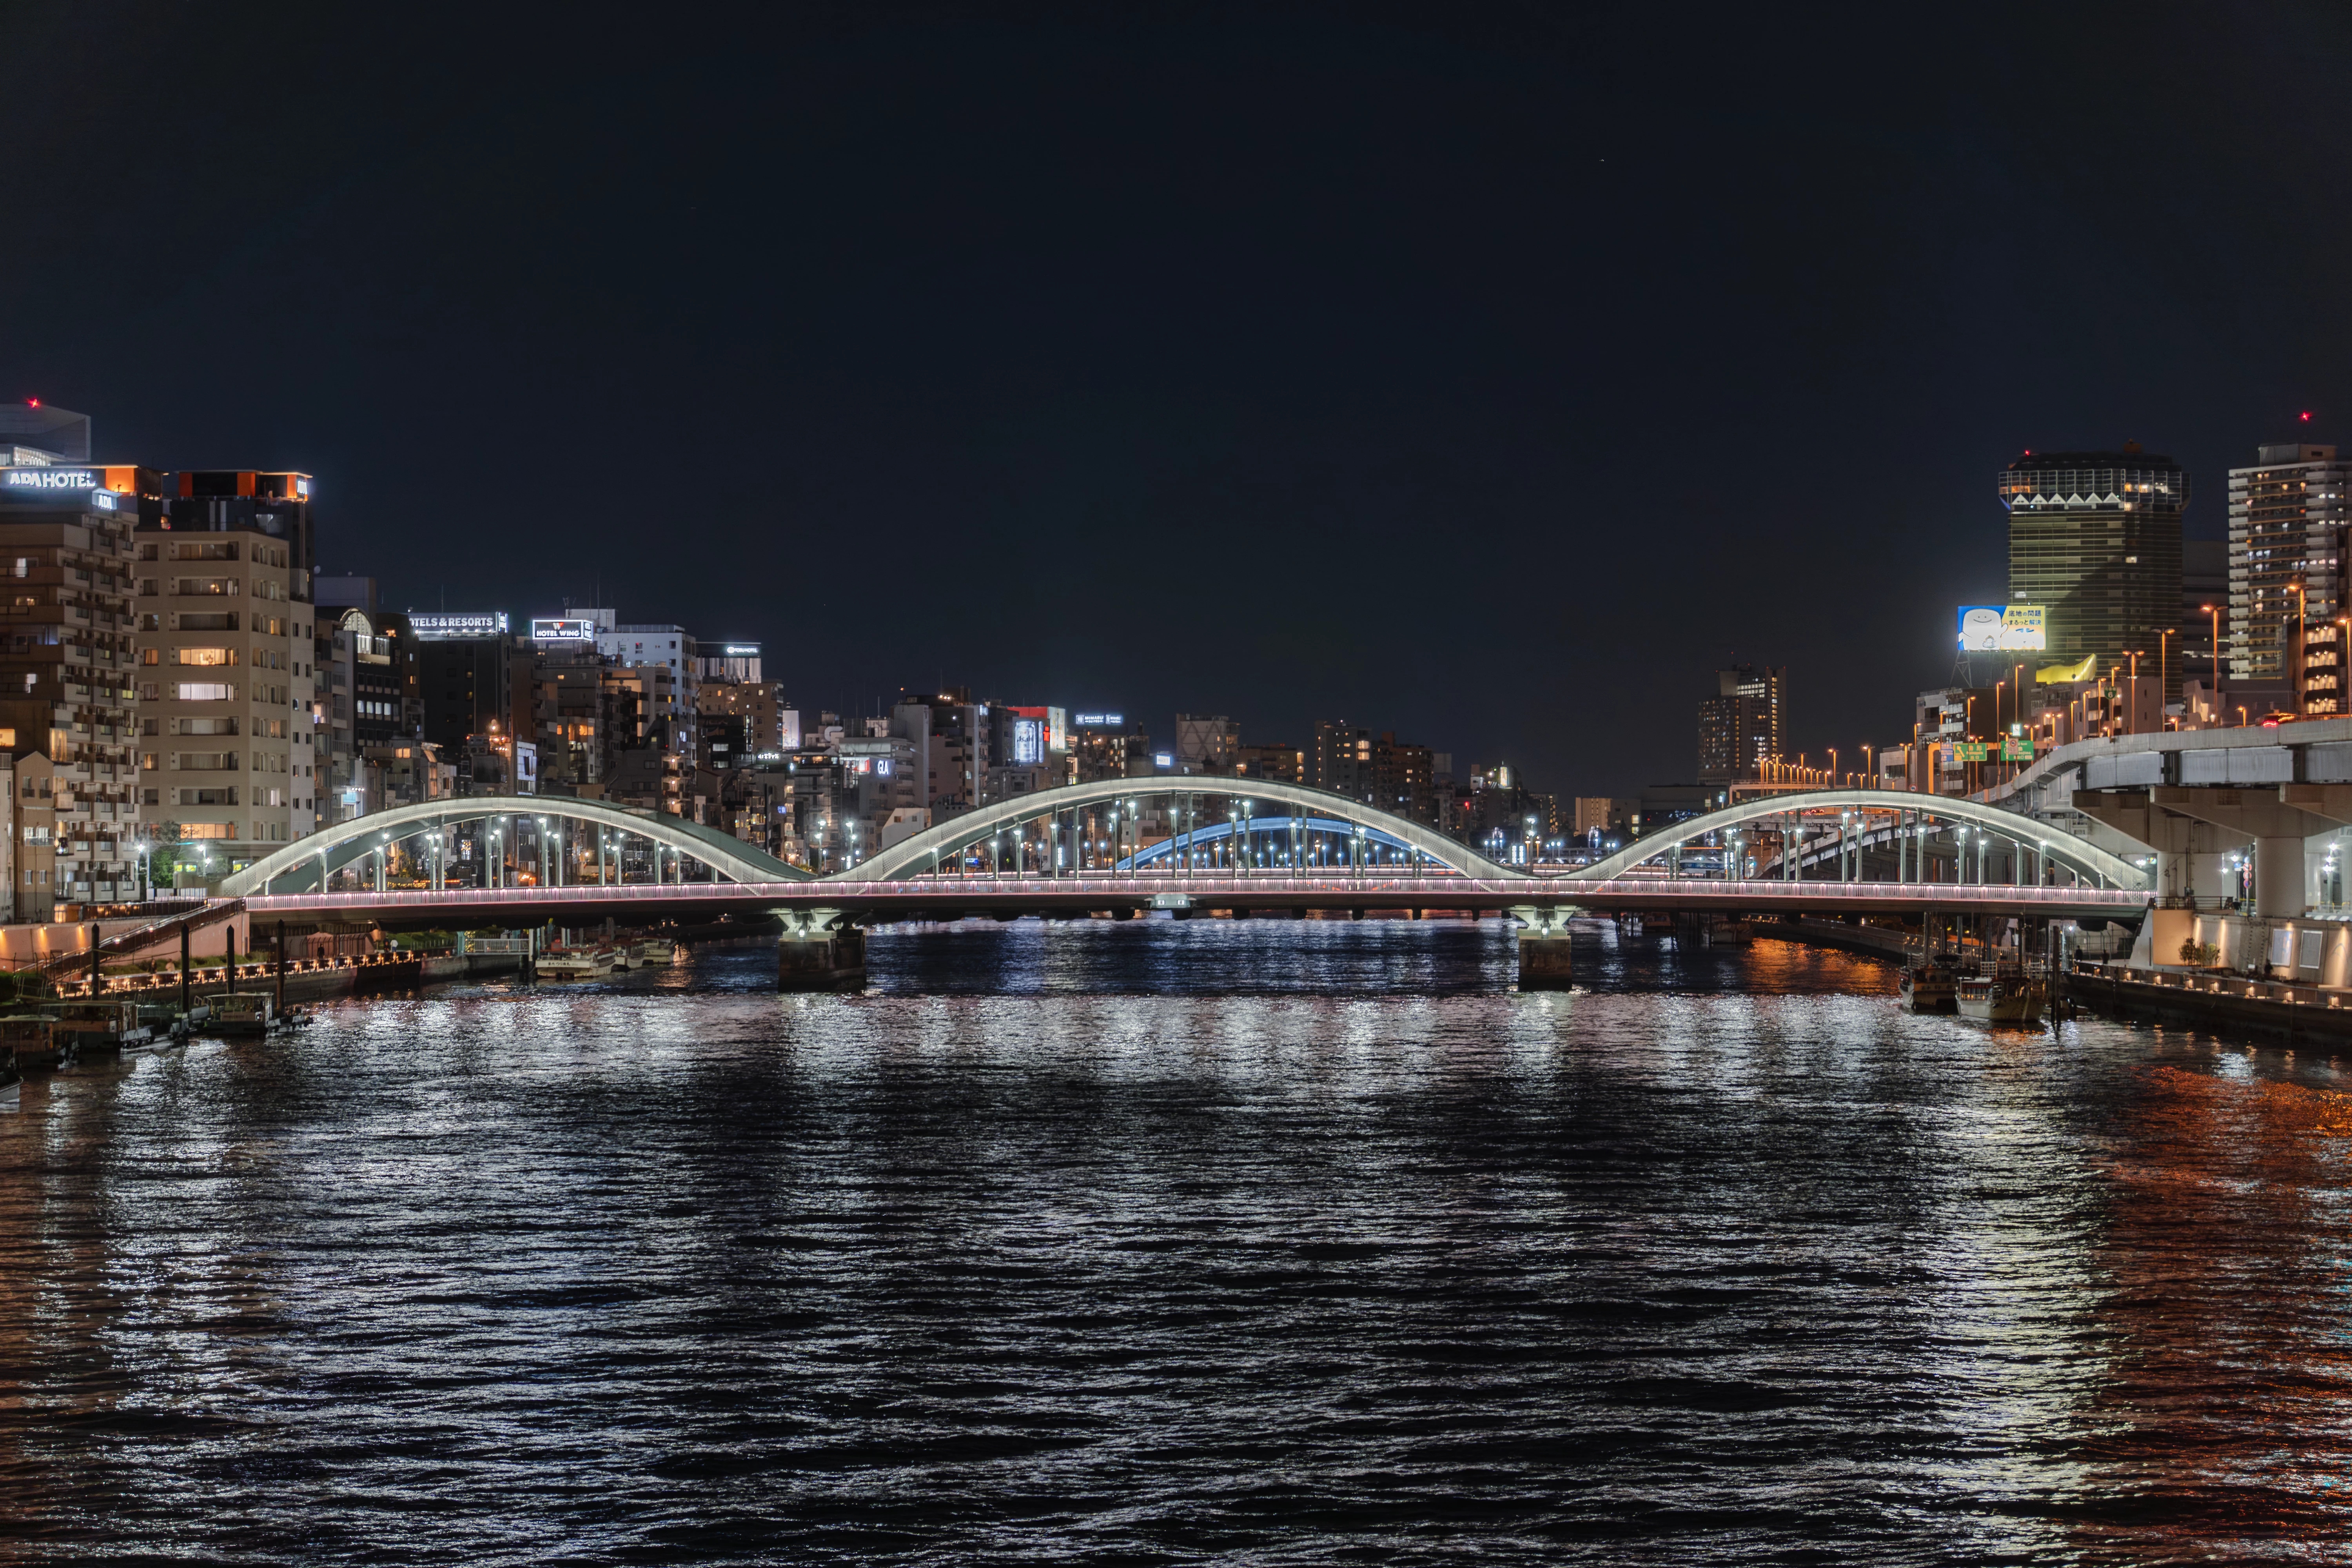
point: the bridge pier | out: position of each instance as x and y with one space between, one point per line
818 952
1544 949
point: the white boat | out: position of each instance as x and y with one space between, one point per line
656 953
1999 999
575 964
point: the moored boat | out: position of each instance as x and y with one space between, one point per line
575 963
1927 985
2005 998
241 1013
100 1027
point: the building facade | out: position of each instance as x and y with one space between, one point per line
2095 539
68 664
2287 529
226 711
1743 725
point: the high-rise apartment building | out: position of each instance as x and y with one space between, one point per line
1742 725
2287 539
2095 539
226 662
1380 770
67 660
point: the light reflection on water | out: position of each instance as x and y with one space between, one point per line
1147 1242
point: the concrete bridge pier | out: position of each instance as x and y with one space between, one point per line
1544 961
820 952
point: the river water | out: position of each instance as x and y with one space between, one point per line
1263 1242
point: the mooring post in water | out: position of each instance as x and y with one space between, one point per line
183 963
228 953
282 966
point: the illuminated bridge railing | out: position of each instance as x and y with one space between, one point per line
1448 891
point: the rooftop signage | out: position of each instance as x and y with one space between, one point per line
1099 720
50 480
457 628
545 629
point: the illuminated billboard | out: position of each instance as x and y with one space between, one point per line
456 628
2003 629
545 629
1028 742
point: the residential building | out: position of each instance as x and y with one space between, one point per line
227 663
670 657
1396 776
761 705
952 753
1743 725
1282 764
2095 540
1104 746
1603 814
2287 539
1341 757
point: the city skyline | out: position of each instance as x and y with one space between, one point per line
1456 318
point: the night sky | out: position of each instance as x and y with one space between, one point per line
1488 375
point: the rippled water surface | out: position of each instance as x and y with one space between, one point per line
1114 1243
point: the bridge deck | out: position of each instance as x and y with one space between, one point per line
910 898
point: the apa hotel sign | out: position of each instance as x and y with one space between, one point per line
49 480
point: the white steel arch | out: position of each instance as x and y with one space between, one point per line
926 850
2079 854
339 845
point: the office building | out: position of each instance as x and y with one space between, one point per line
2287 528
1743 725
227 671
68 719
2095 539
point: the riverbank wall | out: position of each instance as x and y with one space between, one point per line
312 980
2226 1005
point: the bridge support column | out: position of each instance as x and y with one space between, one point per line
817 953
1544 950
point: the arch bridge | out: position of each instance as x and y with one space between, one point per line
1776 836
1189 845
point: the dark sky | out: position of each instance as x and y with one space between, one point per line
1490 375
